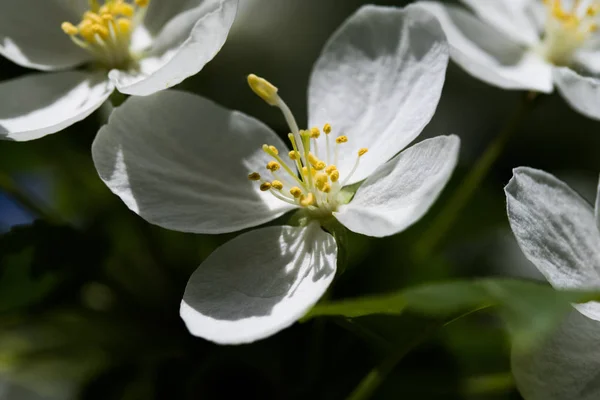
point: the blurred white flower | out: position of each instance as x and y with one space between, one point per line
558 231
529 45
185 163
138 47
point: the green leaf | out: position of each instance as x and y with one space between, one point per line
530 310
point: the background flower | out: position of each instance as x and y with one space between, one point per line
157 45
528 45
559 233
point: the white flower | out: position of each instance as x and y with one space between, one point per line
138 47
559 232
529 45
185 163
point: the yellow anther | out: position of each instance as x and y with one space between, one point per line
362 151
69 28
305 171
296 192
341 139
277 185
142 3
326 188
294 155
92 17
255 176
335 176
263 89
101 30
330 169
307 200
315 133
320 165
327 129
270 150
124 25
320 180
123 9
273 166
265 186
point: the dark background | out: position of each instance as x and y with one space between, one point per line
89 308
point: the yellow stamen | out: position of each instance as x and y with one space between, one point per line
105 31
265 186
273 166
326 188
307 200
296 192
277 185
362 151
293 155
327 129
315 133
69 28
263 89
341 139
335 176
315 162
255 176
330 168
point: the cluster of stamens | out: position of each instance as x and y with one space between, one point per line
567 29
105 31
307 176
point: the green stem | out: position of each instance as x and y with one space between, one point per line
377 375
9 186
461 195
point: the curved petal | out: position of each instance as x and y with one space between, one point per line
513 18
556 231
39 104
401 191
182 162
597 206
259 283
183 47
487 54
582 93
588 60
378 81
31 36
566 367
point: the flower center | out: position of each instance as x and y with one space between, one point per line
105 31
309 178
567 29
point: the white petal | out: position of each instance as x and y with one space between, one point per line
566 367
39 104
31 36
259 283
183 47
589 60
401 191
597 206
556 229
511 17
582 93
378 81
182 162
488 54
